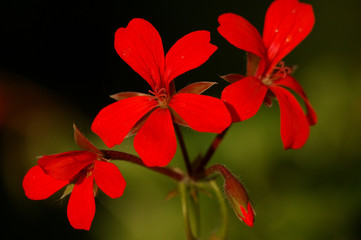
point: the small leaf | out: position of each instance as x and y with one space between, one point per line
172 194
252 63
124 95
139 124
84 143
232 77
95 189
68 190
178 119
197 88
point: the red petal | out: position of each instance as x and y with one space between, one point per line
291 83
248 216
38 185
294 124
83 142
64 166
109 179
244 97
140 45
188 53
240 33
81 206
202 113
155 142
114 122
287 23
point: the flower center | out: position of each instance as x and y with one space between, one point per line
279 71
161 96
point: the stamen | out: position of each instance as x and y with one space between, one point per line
159 94
151 92
281 71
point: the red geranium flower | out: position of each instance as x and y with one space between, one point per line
151 116
78 170
287 23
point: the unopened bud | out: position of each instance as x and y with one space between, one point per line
236 194
238 197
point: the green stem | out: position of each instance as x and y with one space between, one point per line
222 233
190 209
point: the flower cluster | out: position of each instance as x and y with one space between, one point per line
154 117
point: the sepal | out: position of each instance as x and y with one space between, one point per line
124 95
197 88
238 197
232 77
84 143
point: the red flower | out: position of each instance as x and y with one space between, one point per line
151 117
77 169
287 23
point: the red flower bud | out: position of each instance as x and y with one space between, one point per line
238 197
236 194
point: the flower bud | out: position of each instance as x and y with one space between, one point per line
238 197
236 194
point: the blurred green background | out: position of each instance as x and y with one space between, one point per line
58 66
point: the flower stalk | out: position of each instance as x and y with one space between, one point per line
222 231
115 155
184 150
198 166
190 209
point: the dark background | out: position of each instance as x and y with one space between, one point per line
58 66
68 46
